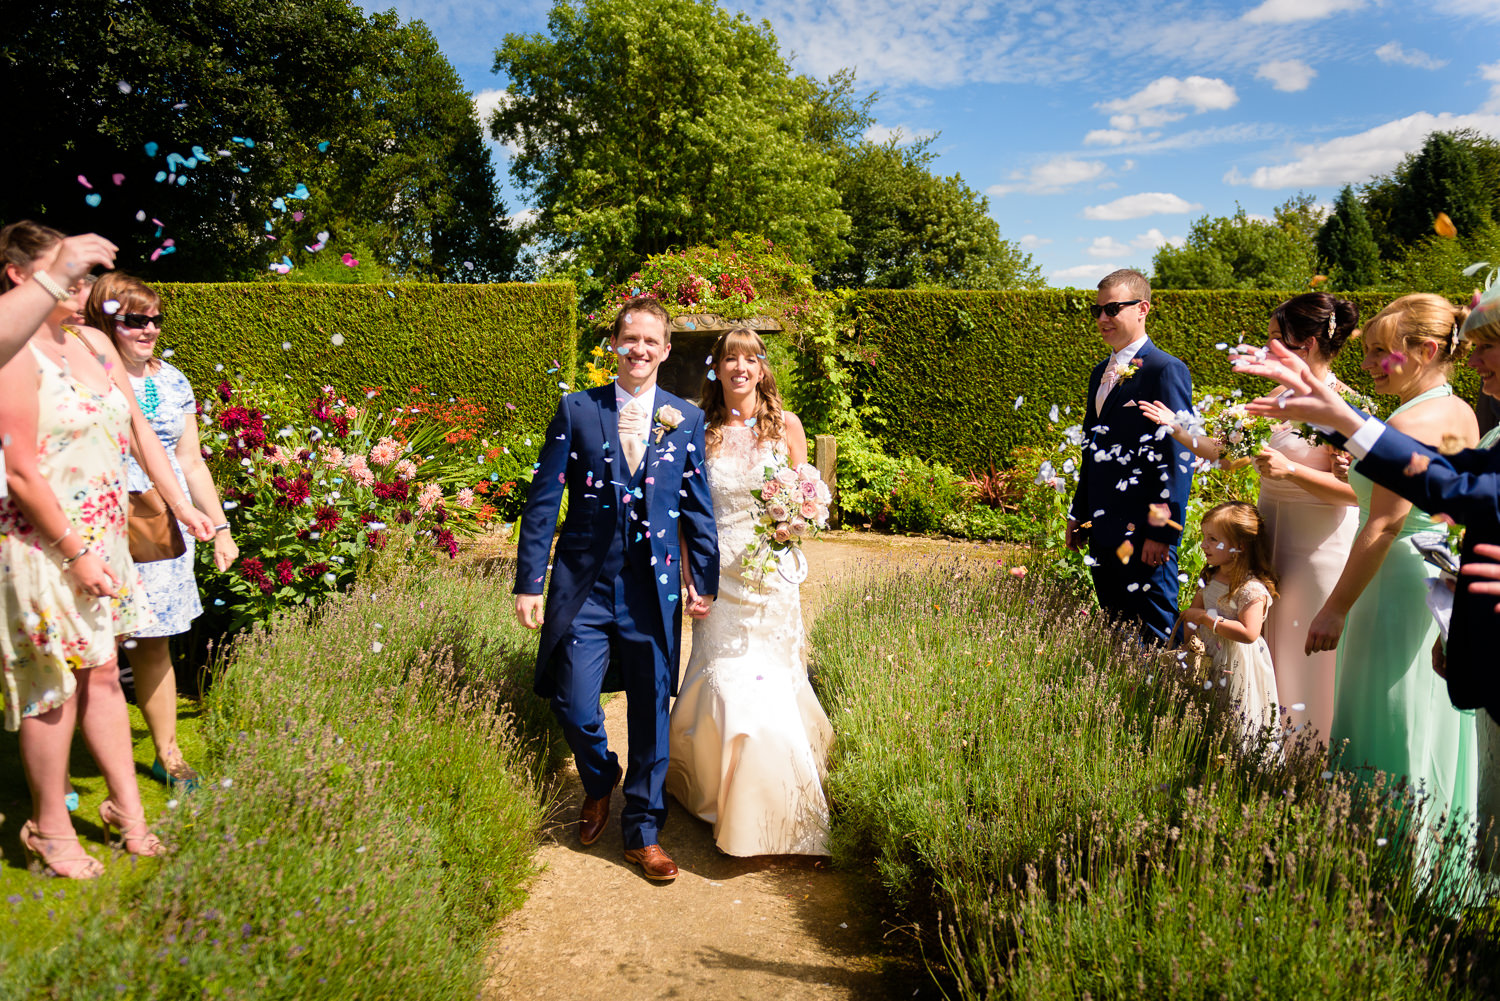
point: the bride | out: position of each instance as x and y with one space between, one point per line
749 745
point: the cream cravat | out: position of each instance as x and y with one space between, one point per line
633 427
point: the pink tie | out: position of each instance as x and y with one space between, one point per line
633 434
1105 385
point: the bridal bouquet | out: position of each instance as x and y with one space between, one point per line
793 504
1239 433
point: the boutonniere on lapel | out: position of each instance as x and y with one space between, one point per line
1124 370
667 419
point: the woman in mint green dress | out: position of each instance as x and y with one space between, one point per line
1391 710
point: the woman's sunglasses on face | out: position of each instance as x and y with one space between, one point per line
1112 309
139 321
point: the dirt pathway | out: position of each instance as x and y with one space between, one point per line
594 928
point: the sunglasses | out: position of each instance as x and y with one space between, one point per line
1112 309
139 321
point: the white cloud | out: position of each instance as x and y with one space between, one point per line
1394 52
1286 11
487 102
521 218
1081 276
1050 177
1152 239
1245 132
1356 158
1154 104
1031 241
1491 73
903 135
1290 75
1113 137
1140 206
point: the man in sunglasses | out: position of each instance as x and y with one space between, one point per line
1129 466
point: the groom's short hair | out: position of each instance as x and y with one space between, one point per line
1138 284
648 304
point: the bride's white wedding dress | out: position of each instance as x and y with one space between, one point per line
750 742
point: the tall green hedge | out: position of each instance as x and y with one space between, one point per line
966 377
491 343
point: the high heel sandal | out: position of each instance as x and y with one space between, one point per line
179 778
111 817
33 840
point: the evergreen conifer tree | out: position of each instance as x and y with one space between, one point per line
1346 243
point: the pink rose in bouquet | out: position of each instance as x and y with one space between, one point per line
777 511
794 506
782 533
797 527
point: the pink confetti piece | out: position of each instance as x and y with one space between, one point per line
85 182
119 179
296 217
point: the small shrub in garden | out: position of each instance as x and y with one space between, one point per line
313 488
924 495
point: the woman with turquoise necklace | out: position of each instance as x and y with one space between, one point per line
130 312
1391 711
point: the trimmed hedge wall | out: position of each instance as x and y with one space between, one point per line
490 343
947 367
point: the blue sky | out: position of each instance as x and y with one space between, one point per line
1101 130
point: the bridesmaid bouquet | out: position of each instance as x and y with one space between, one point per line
793 504
1239 433
1350 396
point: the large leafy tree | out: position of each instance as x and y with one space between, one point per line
1240 252
358 116
1457 173
911 228
1346 244
639 127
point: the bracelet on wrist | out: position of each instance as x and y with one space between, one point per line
68 561
59 540
221 528
47 282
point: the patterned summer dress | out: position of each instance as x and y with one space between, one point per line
50 629
166 399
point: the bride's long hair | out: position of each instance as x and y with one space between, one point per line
768 425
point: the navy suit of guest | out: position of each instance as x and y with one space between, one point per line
613 606
1466 487
1129 464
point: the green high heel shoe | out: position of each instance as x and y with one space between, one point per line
185 780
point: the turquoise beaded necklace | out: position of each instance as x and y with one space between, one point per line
149 401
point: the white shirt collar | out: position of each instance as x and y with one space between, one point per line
1129 351
646 399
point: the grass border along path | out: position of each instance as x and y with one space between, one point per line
1064 818
376 778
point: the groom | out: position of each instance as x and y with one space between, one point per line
631 458
1129 465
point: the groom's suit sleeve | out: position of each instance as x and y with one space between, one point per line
539 516
1464 486
1175 462
700 535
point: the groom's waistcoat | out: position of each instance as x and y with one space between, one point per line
631 546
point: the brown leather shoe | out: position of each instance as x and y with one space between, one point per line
594 813
653 862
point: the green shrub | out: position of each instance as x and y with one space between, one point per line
905 494
1061 817
966 378
502 346
375 789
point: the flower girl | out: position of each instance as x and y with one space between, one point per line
1228 613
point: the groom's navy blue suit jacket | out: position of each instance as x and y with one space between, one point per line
582 457
1465 487
1128 464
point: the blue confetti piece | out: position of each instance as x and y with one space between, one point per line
323 146
93 198
390 293
173 159
218 601
637 537
662 578
244 170
268 225
671 597
691 325
635 291
673 514
161 175
182 180
249 143
198 152
151 149
636 493
300 193
278 205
